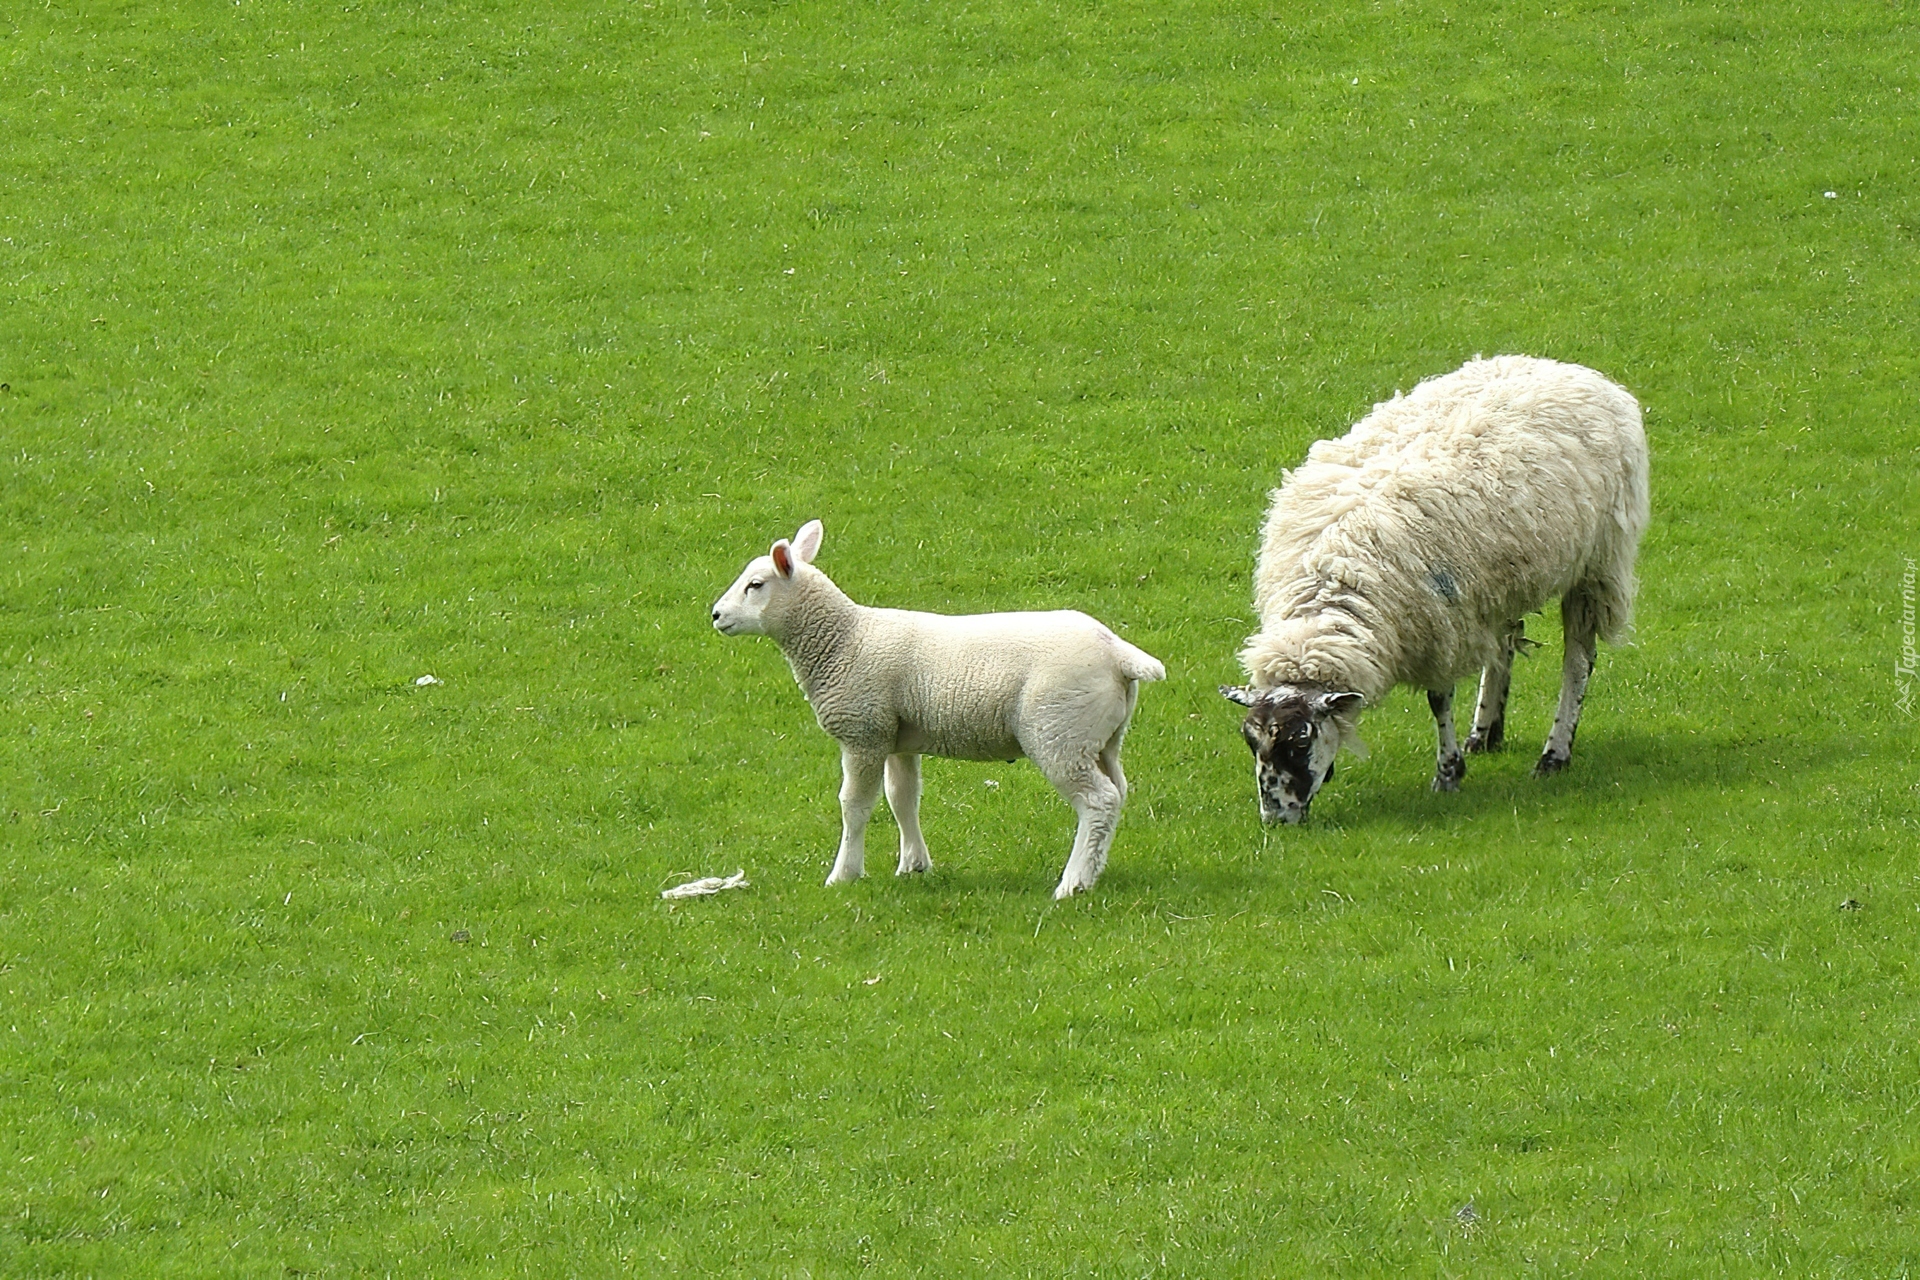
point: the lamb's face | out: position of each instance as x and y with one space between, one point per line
742 610
758 599
1294 738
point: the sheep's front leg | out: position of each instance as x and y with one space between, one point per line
1450 766
1490 715
860 775
903 797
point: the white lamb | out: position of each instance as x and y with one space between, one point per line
890 685
1408 551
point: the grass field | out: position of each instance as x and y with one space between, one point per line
347 344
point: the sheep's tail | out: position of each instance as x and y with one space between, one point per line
1602 603
1136 664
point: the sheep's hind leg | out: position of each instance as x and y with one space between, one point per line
860 776
1490 714
903 797
1095 797
1449 765
1581 627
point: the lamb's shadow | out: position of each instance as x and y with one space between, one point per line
1615 771
1622 769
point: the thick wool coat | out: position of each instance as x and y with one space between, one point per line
1403 551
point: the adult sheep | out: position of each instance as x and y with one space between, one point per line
1408 551
890 685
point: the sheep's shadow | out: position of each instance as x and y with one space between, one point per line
1611 772
1624 769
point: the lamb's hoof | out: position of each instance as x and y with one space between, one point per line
837 876
1550 764
1447 776
913 868
1066 890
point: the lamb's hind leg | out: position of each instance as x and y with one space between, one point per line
1092 792
1581 628
903 797
1490 714
860 775
1110 754
1449 765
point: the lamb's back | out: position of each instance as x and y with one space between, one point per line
959 684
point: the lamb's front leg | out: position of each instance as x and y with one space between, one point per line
860 775
1449 765
903 797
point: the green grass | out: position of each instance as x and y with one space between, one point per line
342 344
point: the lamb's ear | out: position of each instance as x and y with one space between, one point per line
806 543
782 558
1239 693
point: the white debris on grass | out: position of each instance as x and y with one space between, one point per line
427 680
712 884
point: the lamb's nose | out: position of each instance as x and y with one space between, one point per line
716 613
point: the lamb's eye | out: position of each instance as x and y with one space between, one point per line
755 585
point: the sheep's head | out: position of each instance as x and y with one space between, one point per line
1295 733
757 600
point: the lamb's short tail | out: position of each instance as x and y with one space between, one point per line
1136 664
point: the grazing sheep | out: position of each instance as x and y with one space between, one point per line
890 685
1408 550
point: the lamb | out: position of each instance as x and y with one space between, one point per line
891 685
1408 551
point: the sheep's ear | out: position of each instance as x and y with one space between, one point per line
1342 708
806 543
1239 693
1338 704
782 558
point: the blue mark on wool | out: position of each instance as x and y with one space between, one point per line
1442 582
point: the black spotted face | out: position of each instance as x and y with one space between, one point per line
1294 743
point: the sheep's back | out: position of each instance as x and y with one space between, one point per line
1462 505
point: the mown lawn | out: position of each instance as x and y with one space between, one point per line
344 345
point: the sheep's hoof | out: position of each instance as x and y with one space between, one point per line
1550 764
914 868
1447 776
1479 743
1066 890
